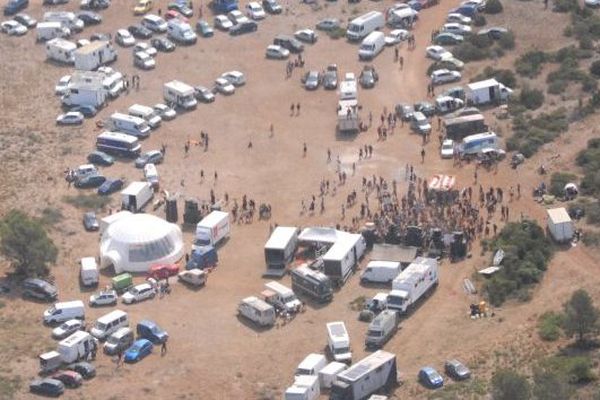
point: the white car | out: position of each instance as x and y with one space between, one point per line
166 113
82 42
70 118
441 76
124 38
277 52
143 60
223 86
458 64
255 11
195 277
237 17
13 28
437 52
306 35
67 328
146 48
62 85
459 18
236 78
139 293
104 298
447 150
480 4
455 27
223 23
396 36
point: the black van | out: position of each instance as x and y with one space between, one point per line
14 6
288 42
39 289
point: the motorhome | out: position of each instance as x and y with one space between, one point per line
474 144
109 323
86 90
412 284
135 196
51 30
382 328
130 125
373 373
282 297
311 283
362 26
257 311
93 55
212 229
89 273
348 117
147 113
280 249
342 258
119 144
486 92
380 271
76 347
181 32
60 50
180 94
66 18
64 311
338 342
371 46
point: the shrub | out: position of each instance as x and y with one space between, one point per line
575 369
530 63
337 33
549 326
531 133
549 385
581 316
595 68
481 41
589 160
532 99
87 202
479 20
565 6
507 41
558 180
509 385
493 7
557 87
468 52
504 76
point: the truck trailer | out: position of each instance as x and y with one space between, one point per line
280 249
560 225
135 196
342 258
416 281
212 229
488 91
94 55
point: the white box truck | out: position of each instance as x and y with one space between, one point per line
487 91
257 311
338 342
60 50
329 372
130 125
89 273
371 46
94 55
343 256
373 373
280 249
85 94
64 311
282 297
380 271
304 388
135 196
560 225
77 346
417 280
51 30
311 365
381 329
362 26
212 229
474 144
180 94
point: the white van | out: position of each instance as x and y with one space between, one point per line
131 125
473 144
420 123
64 311
119 341
154 23
257 311
109 323
146 113
89 271
381 271
338 342
311 365
371 46
362 26
50 30
282 297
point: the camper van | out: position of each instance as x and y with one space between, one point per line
60 50
343 257
135 196
382 328
257 311
146 113
311 283
181 32
119 144
130 125
311 365
338 342
371 46
61 312
51 30
380 271
373 373
362 26
66 18
113 81
283 298
88 273
76 347
180 94
93 55
280 249
109 323
476 143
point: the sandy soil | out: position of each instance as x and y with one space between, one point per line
212 354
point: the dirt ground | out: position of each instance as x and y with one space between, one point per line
212 354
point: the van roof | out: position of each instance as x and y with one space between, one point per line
311 360
106 318
135 187
384 264
482 84
337 329
179 86
118 135
257 303
558 215
127 117
278 288
92 47
479 136
361 19
373 37
281 236
121 332
69 304
213 218
88 263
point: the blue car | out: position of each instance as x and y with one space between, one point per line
151 331
431 378
138 350
110 186
100 158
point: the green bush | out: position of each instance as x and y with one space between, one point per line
557 87
337 33
507 41
509 385
87 201
493 7
589 160
558 180
479 20
468 52
481 41
532 99
576 369
529 134
565 6
595 68
549 326
530 63
504 76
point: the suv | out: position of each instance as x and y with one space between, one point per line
288 42
106 297
14 6
139 292
39 289
272 7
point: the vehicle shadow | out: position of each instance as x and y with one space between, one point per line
249 324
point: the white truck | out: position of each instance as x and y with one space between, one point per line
338 342
130 125
348 118
401 17
85 94
381 329
360 27
342 258
89 273
257 311
51 30
282 297
305 387
180 94
77 346
94 55
380 271
135 196
417 280
560 225
212 229
329 372
66 18
280 249
372 374
487 91
60 50
64 311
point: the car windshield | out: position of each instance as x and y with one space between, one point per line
374 333
100 326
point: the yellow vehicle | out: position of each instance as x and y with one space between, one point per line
142 7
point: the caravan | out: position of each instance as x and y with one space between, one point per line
130 125
77 346
280 249
60 50
476 143
373 373
342 258
146 113
362 26
93 55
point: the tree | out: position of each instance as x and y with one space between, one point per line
493 7
581 317
509 385
550 386
24 242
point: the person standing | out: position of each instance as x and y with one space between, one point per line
163 349
304 150
422 155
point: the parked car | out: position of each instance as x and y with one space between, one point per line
110 186
90 181
150 330
368 77
104 37
67 328
272 7
430 378
223 23
223 86
328 24
140 349
62 85
396 36
405 112
243 27
149 157
83 368
140 32
162 44
87 110
163 271
195 277
124 38
255 11
146 48
330 77
47 387
90 222
100 158
457 370
70 379
25 20
312 80
94 4
70 118
277 52
204 29
104 298
236 78
447 150
437 52
289 42
181 8
237 17
425 107
89 18
39 289
306 36
138 293
455 27
143 60
13 28
165 112
459 18
493 32
204 94
592 3
173 14
447 38
441 76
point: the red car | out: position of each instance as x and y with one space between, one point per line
171 14
70 379
163 271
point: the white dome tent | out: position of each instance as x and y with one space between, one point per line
135 242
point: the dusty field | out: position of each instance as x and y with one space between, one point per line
212 354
